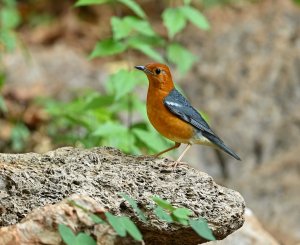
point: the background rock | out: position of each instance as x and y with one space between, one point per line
248 82
278 195
252 233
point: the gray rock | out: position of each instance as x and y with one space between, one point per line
31 180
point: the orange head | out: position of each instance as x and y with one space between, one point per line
159 76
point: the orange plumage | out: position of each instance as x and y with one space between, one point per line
162 119
173 116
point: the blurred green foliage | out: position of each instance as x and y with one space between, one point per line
95 119
136 33
9 20
3 107
19 136
297 2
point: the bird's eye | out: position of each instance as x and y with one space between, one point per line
157 71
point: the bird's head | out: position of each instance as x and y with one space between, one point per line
159 76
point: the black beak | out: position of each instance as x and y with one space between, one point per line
142 68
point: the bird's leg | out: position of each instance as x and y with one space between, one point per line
183 153
169 149
174 164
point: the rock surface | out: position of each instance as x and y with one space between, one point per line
41 225
278 195
29 181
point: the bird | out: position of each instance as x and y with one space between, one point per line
172 115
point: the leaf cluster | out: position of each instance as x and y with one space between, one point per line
93 119
165 211
123 225
136 33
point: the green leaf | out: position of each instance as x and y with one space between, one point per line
134 7
96 101
174 20
97 219
131 228
150 138
110 128
8 38
19 135
146 49
122 225
116 224
123 27
180 56
90 2
107 47
196 17
3 107
156 41
135 207
120 28
182 213
163 203
2 78
201 228
122 83
9 18
181 221
84 239
163 215
187 2
120 138
141 26
67 234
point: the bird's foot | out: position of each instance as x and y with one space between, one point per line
176 163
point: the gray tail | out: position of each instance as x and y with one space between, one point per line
217 141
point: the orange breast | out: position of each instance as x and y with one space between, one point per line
166 122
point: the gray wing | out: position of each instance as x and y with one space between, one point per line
179 105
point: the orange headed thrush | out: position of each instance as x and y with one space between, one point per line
173 116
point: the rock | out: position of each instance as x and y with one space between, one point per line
41 225
252 233
276 185
247 81
29 181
